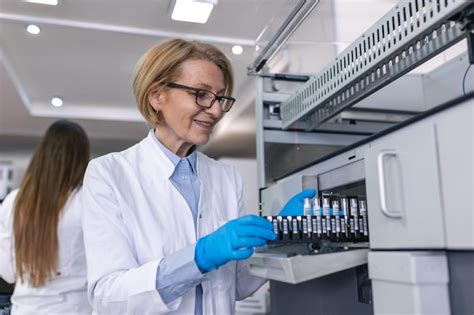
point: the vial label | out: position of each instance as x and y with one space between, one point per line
352 225
315 226
275 226
323 220
308 224
338 225
305 226
361 225
320 225
333 224
295 226
285 226
343 226
356 223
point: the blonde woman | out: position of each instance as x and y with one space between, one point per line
163 223
41 241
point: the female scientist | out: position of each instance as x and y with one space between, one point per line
163 224
41 241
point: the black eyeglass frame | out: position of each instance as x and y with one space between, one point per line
196 93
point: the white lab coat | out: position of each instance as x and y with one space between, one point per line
134 217
67 292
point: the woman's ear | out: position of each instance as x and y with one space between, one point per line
155 97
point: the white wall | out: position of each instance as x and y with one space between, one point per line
20 161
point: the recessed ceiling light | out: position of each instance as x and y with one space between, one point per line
56 102
196 11
33 29
48 2
237 49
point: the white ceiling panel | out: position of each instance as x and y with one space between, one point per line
230 18
87 50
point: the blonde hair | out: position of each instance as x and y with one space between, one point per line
161 64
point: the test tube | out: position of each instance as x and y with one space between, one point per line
317 225
274 222
307 206
327 217
306 221
363 214
283 222
355 216
294 228
345 220
337 222
299 228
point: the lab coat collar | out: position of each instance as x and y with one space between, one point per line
155 155
175 159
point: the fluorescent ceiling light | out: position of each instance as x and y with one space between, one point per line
48 2
196 11
56 102
237 50
33 29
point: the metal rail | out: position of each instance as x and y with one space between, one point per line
410 34
302 9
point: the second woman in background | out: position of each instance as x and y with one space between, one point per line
41 242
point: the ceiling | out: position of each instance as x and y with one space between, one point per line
87 50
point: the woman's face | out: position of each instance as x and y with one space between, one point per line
183 123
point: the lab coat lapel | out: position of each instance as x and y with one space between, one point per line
209 211
166 197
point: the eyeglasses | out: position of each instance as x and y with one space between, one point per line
205 98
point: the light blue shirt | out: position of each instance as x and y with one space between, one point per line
178 272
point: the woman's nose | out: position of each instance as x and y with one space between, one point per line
215 110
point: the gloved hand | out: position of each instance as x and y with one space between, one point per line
234 240
295 206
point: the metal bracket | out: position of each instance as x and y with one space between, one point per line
408 35
302 9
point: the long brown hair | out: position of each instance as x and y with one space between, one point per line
56 169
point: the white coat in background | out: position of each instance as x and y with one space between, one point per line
67 292
134 217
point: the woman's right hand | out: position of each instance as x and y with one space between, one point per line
235 240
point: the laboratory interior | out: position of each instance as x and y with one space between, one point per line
367 103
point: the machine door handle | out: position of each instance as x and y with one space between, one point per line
383 199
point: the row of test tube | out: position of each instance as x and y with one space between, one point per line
333 218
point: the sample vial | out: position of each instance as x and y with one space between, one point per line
345 220
307 206
363 214
274 222
284 228
327 216
354 214
335 211
316 227
294 228
316 206
317 212
306 228
326 207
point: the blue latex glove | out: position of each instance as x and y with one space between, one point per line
295 206
234 240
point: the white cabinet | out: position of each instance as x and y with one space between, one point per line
403 189
455 134
409 282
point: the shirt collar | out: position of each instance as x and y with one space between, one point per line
175 159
